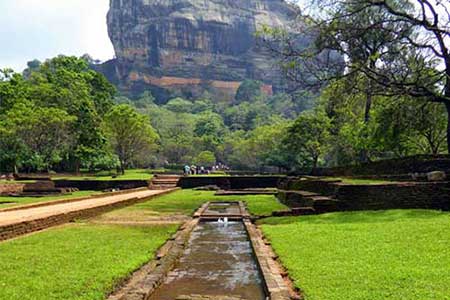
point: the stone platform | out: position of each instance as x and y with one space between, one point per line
27 220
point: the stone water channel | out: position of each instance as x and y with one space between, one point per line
218 262
218 255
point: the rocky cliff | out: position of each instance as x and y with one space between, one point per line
189 46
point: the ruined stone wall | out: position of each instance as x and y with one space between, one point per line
402 167
323 187
100 185
11 188
230 182
347 197
418 195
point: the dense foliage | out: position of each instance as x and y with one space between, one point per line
389 94
380 88
245 133
57 115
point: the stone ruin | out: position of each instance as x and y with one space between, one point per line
40 188
315 195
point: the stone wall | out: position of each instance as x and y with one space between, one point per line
404 166
100 185
11 188
40 186
420 195
319 186
326 196
230 182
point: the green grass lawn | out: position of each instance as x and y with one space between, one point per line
187 201
397 254
357 181
4 181
77 262
16 201
136 174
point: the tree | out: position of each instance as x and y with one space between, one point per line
205 158
307 138
202 105
178 141
283 105
249 90
413 61
414 129
68 83
13 89
179 105
266 145
45 132
129 133
210 130
12 150
246 116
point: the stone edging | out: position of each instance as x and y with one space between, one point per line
48 203
14 230
142 283
278 287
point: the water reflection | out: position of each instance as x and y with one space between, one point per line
218 261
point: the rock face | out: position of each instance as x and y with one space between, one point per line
190 46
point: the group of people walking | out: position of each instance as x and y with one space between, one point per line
194 170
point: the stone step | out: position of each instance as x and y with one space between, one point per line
301 211
298 211
177 177
297 198
324 204
161 182
162 187
165 181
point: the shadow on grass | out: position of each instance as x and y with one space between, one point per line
6 202
381 216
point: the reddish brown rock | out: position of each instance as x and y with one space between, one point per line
194 45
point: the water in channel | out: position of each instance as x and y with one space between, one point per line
217 262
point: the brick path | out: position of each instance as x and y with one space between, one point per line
32 219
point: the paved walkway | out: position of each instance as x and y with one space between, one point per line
31 214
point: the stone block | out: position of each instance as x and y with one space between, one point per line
436 176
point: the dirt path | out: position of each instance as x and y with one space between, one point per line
31 214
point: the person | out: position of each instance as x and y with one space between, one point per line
193 170
202 170
187 170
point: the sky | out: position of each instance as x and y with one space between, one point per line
42 29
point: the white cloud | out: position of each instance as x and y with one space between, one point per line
45 28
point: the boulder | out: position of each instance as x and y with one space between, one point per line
436 176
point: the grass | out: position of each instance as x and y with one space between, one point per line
135 174
86 261
187 201
16 201
357 181
397 254
4 181
79 262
